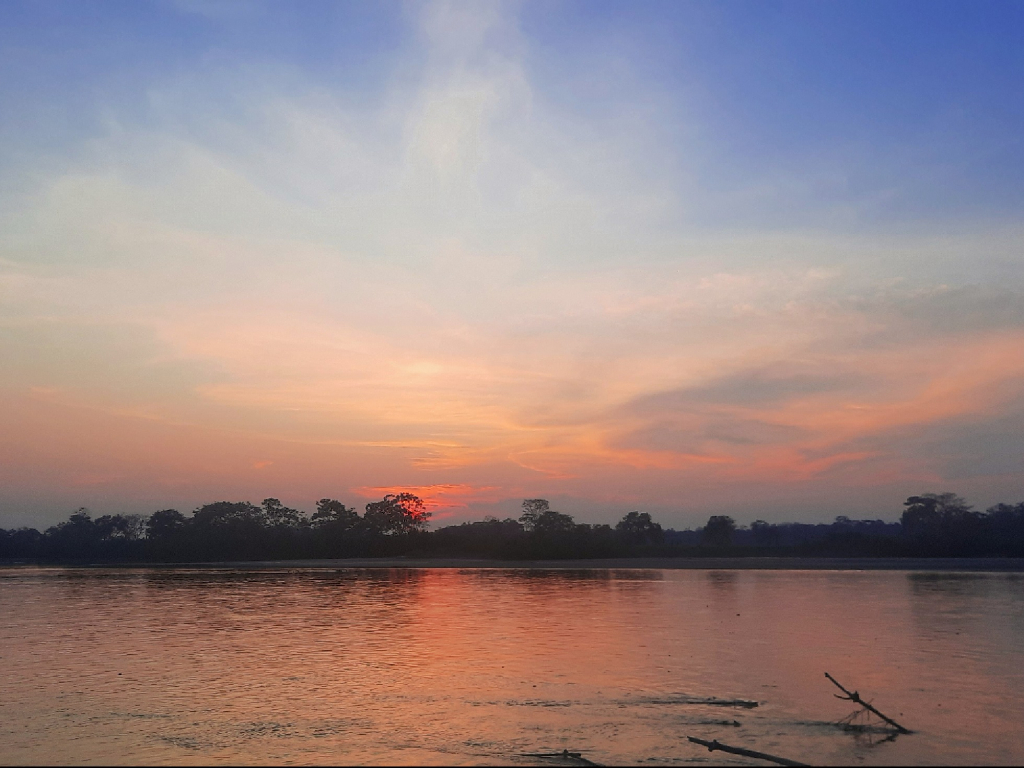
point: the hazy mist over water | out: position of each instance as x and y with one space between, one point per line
479 665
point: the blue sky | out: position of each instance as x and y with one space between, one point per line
921 98
687 257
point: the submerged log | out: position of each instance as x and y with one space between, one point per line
856 699
716 745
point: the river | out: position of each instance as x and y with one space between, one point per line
479 666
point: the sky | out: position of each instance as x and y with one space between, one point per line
763 259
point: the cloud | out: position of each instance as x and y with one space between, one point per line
454 283
943 310
757 388
675 437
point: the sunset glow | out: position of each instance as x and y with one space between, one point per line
485 252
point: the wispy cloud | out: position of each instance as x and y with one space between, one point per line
455 284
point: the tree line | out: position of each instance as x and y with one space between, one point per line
932 525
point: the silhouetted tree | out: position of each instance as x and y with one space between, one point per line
164 524
333 513
167 535
764 534
489 538
932 525
277 515
1005 529
337 530
227 514
226 530
532 510
550 534
941 522
550 522
719 530
639 528
75 538
121 527
396 514
21 543
79 520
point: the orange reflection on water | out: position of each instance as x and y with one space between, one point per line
478 666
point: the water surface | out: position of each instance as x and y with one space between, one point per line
480 665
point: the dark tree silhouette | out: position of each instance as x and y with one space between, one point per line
121 527
764 534
22 543
550 522
940 522
276 514
932 525
532 511
227 514
550 534
1006 529
719 530
639 528
165 523
76 537
330 512
227 530
396 514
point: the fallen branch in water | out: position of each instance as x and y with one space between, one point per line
712 702
713 745
744 703
733 723
856 699
565 754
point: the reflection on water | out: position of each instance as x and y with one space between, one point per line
480 665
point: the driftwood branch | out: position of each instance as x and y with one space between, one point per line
713 745
565 754
856 699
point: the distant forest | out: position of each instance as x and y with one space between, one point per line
932 525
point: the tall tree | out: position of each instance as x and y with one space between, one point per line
121 527
396 514
331 512
227 514
551 523
165 523
639 528
532 511
940 520
719 530
277 515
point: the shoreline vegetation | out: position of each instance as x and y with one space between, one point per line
935 531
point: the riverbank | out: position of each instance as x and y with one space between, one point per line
951 564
